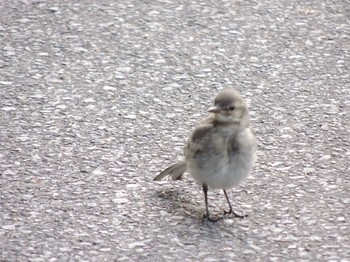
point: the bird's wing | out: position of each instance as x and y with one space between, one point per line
192 147
175 171
196 143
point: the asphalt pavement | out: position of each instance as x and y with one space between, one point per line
97 97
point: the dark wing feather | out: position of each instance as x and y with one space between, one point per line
195 143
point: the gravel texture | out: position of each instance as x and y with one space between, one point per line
97 97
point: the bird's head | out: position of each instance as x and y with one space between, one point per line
230 108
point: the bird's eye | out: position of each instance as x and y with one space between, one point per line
231 108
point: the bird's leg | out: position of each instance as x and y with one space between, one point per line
229 204
231 210
206 215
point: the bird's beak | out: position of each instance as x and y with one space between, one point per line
214 109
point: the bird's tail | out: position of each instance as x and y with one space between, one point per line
175 171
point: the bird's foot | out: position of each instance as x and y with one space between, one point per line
231 212
210 219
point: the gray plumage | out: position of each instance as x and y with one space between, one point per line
220 152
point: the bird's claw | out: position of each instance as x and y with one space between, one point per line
230 212
210 219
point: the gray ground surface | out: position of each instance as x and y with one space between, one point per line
97 97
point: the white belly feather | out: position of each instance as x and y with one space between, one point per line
224 171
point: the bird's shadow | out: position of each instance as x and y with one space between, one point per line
187 203
180 202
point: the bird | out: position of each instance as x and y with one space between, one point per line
221 151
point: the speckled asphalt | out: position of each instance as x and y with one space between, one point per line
97 97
